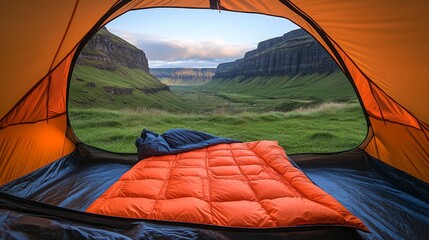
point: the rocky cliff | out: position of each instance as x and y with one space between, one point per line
111 73
107 51
294 53
183 76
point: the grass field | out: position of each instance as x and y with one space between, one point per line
316 113
328 127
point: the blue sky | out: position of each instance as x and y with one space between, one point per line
195 38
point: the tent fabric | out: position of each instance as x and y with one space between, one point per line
68 182
388 212
46 100
31 148
40 35
60 228
391 143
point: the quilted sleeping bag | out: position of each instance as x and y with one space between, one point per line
252 185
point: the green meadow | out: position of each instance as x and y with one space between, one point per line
317 113
329 127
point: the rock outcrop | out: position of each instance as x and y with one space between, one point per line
294 53
118 91
154 89
107 51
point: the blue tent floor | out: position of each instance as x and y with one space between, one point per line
389 213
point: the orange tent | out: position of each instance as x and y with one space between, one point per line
382 47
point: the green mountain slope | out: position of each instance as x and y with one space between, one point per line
122 88
111 73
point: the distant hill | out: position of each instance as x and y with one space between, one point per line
183 76
112 73
293 68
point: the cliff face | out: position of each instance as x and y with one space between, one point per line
183 76
107 51
112 73
294 53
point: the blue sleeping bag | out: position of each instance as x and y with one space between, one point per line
175 141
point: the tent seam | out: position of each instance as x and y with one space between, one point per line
36 85
48 91
378 104
33 122
423 127
394 122
65 33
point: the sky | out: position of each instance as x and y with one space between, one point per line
195 38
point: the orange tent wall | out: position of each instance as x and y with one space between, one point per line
27 147
404 147
381 45
33 133
35 61
46 100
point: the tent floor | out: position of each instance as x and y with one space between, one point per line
389 213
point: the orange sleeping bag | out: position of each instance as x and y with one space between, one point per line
238 185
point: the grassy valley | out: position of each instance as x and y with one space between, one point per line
329 127
318 113
113 98
312 126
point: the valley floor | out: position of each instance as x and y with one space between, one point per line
327 127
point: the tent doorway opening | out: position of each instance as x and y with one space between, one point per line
241 80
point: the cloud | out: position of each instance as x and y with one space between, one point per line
162 51
186 49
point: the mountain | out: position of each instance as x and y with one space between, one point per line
183 76
294 53
112 73
108 51
294 69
